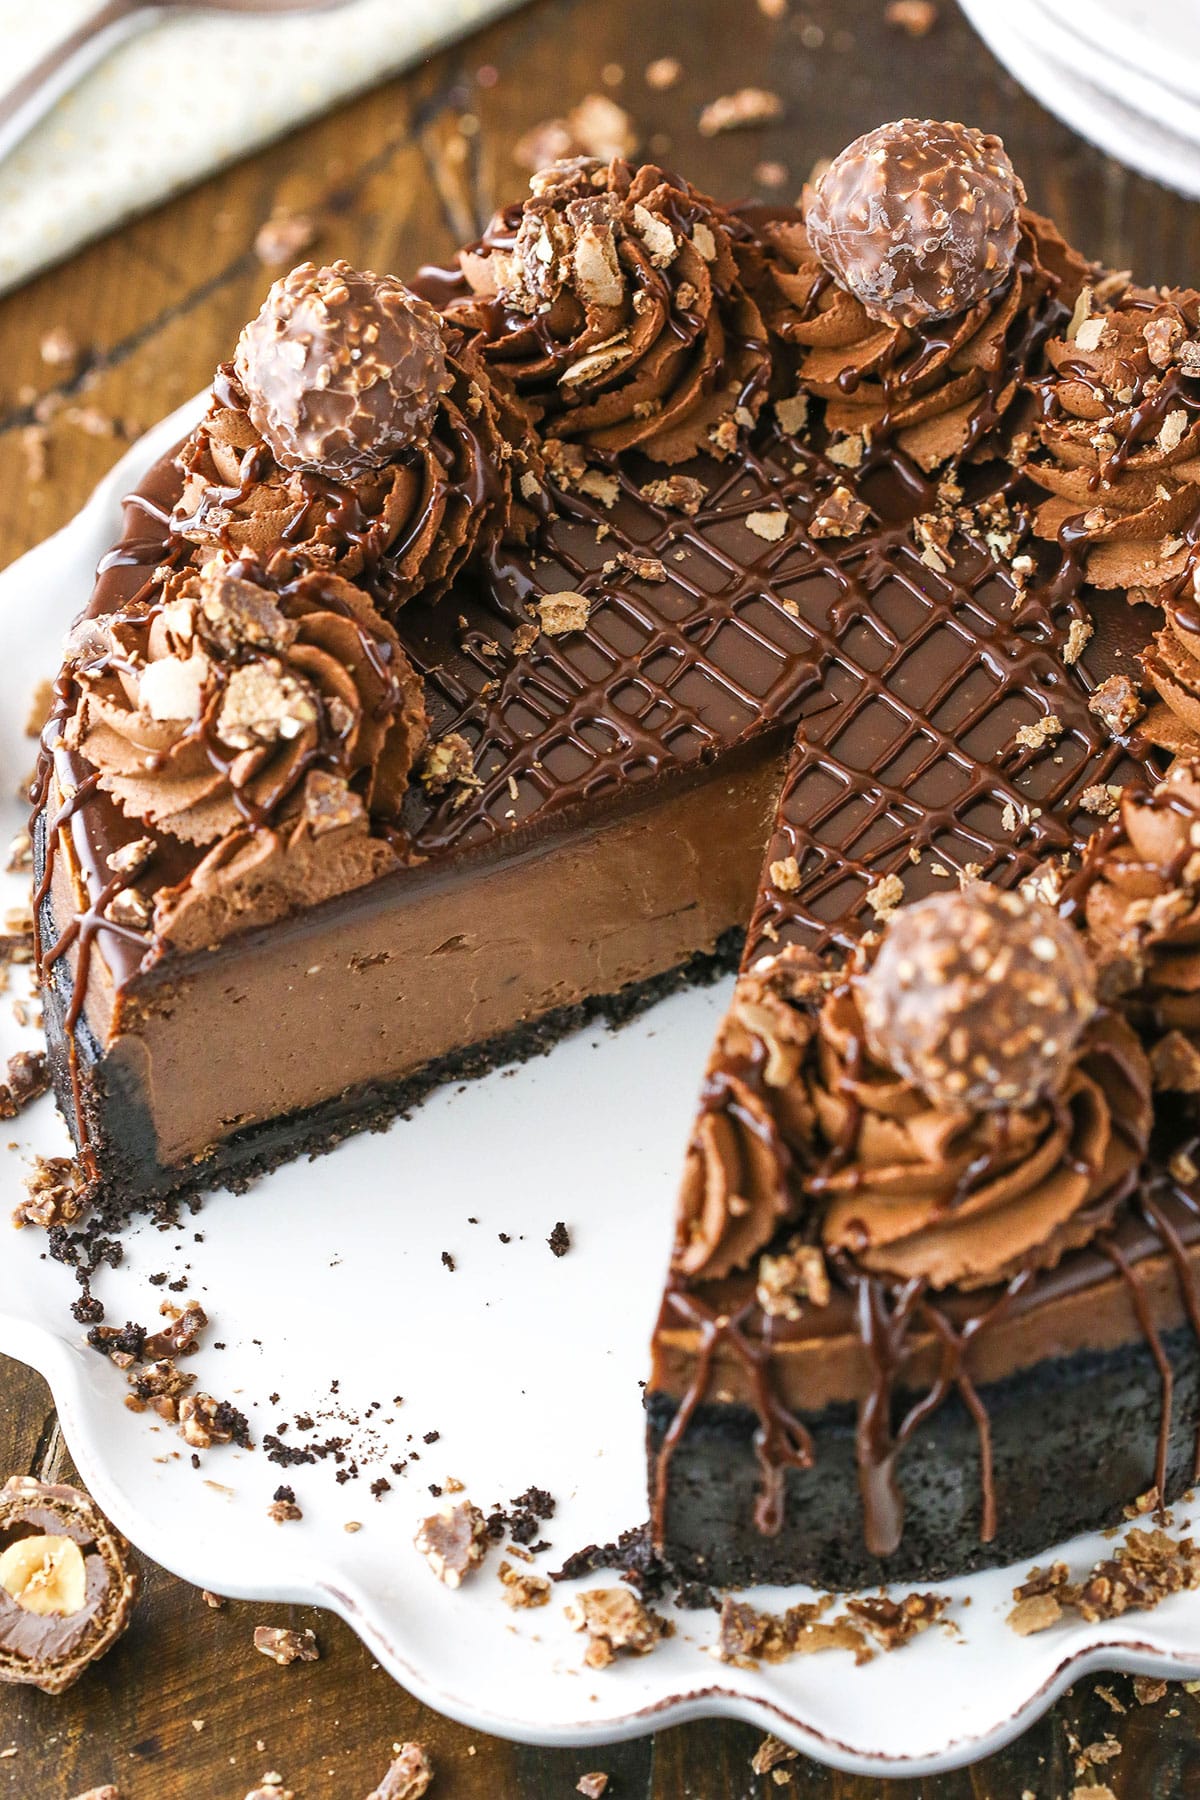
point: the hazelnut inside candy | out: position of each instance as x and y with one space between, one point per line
67 1584
919 219
342 369
978 998
45 1575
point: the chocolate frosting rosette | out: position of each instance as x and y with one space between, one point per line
1141 903
1172 666
612 301
953 1107
914 289
1118 444
268 718
356 427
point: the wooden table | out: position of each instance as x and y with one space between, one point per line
185 1707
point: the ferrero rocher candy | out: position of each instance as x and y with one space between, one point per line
67 1584
918 219
978 997
342 369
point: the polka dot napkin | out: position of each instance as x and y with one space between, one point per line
182 97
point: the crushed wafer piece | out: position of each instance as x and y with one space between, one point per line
283 239
916 18
408 1775
770 1754
885 895
770 526
663 73
1117 704
746 107
562 613
615 1621
453 1541
286 1647
521 1589
1043 732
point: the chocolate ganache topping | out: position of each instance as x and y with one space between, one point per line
1141 902
936 387
612 299
358 429
820 1131
1118 442
269 716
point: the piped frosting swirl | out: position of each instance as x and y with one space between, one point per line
1118 444
612 299
938 388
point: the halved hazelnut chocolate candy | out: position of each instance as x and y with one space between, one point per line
67 1584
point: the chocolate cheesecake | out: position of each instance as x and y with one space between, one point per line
443 690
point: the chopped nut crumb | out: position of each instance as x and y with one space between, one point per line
592 1786
785 874
58 1192
286 1647
678 493
893 1622
453 1541
840 514
562 613
663 73
1102 798
615 1620
748 1636
746 107
1078 636
407 1777
770 1754
885 896
283 239
448 761
1117 704
1045 731
522 1589
916 17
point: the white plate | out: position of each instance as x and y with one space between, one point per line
1018 34
527 1366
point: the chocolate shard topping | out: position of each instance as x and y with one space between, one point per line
918 219
67 1584
613 300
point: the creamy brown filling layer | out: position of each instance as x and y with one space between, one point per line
375 986
1086 1305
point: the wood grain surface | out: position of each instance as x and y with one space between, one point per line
184 1709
